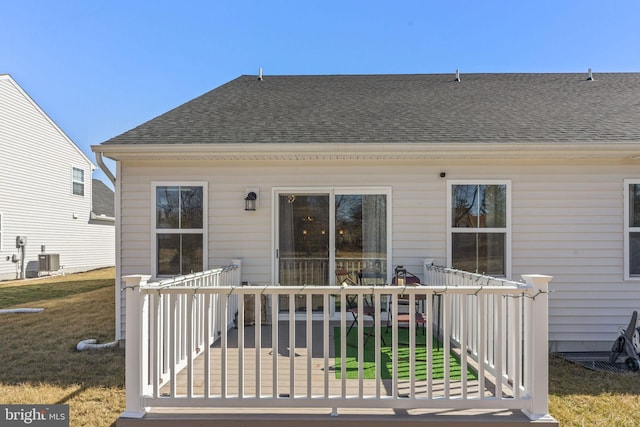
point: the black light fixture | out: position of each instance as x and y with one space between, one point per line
250 201
400 278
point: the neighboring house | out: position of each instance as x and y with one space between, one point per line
49 205
504 174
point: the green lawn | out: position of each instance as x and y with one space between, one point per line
41 366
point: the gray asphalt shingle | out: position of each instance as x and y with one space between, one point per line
102 199
404 108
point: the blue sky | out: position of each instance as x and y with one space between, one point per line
100 68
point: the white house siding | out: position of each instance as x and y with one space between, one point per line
36 200
570 219
567 222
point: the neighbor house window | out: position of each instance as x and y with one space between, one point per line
479 227
78 181
179 228
632 229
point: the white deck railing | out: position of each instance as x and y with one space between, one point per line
182 349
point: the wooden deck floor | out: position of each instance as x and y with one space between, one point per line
305 375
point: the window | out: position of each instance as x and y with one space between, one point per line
78 182
179 228
632 229
479 227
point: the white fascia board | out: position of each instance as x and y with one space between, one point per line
504 150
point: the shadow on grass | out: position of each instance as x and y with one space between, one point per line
71 395
39 361
25 294
566 378
41 347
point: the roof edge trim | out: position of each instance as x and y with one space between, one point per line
576 150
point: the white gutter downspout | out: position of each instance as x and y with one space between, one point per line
104 168
92 344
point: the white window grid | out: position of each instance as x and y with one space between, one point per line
156 231
506 230
77 177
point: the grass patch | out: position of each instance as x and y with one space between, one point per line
25 292
40 364
386 357
581 397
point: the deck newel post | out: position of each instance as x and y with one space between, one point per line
134 363
536 351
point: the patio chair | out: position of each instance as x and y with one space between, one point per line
343 278
371 276
404 278
368 309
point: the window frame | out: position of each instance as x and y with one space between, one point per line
504 230
155 230
74 182
628 230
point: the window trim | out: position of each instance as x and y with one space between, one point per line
506 230
73 181
154 231
628 230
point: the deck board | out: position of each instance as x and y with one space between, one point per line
320 383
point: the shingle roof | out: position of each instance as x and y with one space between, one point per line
102 198
404 108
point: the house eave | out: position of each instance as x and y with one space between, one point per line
374 151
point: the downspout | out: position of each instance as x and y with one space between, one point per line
91 344
104 168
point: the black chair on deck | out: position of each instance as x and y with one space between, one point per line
368 309
403 278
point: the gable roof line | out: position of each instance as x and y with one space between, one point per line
46 117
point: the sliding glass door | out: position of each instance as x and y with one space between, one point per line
361 236
322 232
303 250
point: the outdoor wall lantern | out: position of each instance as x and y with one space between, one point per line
250 201
401 275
